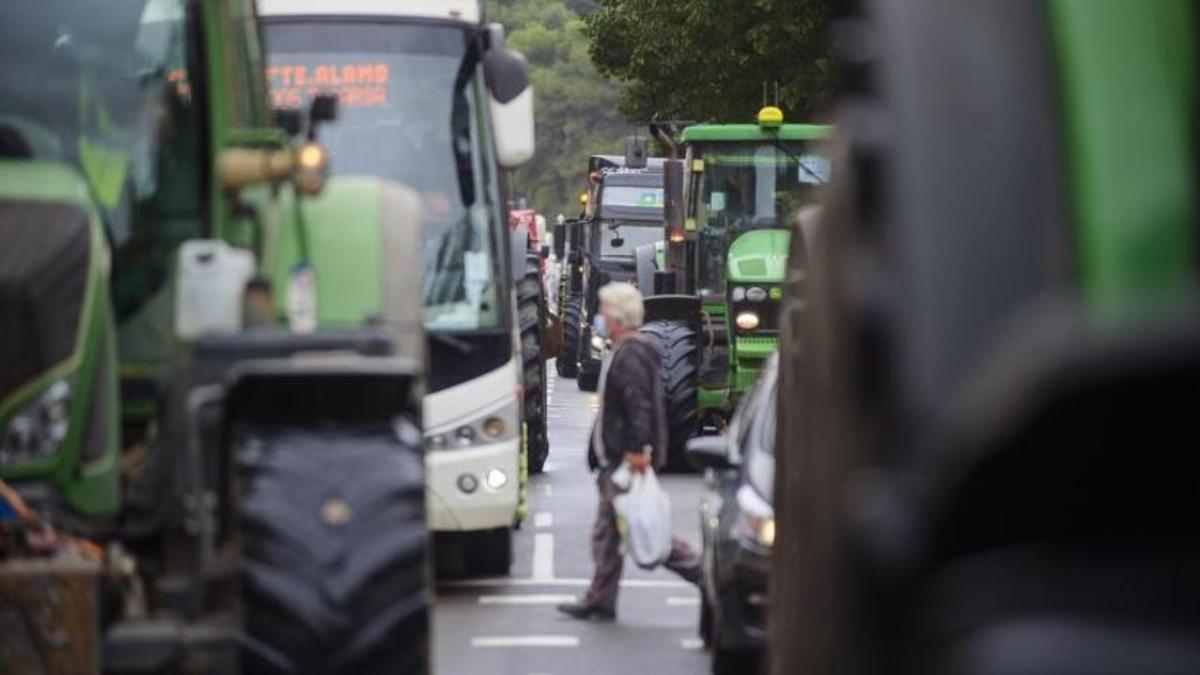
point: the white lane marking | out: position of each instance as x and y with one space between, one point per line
543 519
691 643
682 602
543 556
504 582
526 641
534 599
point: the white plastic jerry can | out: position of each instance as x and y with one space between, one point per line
211 279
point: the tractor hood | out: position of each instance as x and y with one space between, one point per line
759 256
364 239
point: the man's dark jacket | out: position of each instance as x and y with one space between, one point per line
633 407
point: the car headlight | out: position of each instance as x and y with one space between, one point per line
747 320
37 429
756 518
756 294
738 294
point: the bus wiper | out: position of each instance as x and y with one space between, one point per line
779 144
461 346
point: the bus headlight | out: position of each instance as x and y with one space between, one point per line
37 429
496 479
492 424
756 294
738 294
747 320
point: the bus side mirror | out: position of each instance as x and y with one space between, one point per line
511 102
324 108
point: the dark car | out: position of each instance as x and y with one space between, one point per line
737 523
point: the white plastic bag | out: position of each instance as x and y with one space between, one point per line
644 514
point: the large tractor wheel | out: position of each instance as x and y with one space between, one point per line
568 356
531 310
334 551
677 348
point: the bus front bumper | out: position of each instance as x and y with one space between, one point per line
472 489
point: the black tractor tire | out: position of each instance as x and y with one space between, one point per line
333 568
677 344
568 355
488 553
531 312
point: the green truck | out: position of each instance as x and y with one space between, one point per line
220 389
728 232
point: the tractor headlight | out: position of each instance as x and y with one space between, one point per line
738 294
756 294
747 320
37 429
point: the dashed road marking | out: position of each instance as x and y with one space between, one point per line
543 556
691 643
543 519
676 601
525 641
535 599
505 582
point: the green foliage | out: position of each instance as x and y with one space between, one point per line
707 60
576 108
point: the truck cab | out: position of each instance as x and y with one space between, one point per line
421 106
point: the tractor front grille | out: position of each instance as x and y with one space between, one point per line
44 256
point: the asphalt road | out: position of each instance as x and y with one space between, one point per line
510 626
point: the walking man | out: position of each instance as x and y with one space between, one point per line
630 428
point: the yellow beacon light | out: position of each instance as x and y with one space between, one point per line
583 198
770 117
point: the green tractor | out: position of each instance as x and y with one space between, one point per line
223 395
991 355
725 258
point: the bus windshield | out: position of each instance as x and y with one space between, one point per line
408 112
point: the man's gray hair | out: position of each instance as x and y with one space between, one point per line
624 302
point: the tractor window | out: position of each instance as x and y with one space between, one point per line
749 186
409 112
629 235
104 88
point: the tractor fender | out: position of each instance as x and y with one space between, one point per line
672 308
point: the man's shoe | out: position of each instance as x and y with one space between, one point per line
579 610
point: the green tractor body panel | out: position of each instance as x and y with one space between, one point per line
753 133
344 241
83 467
1123 64
757 259
758 256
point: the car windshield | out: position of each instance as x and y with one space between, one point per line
103 88
408 98
630 235
759 447
750 186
